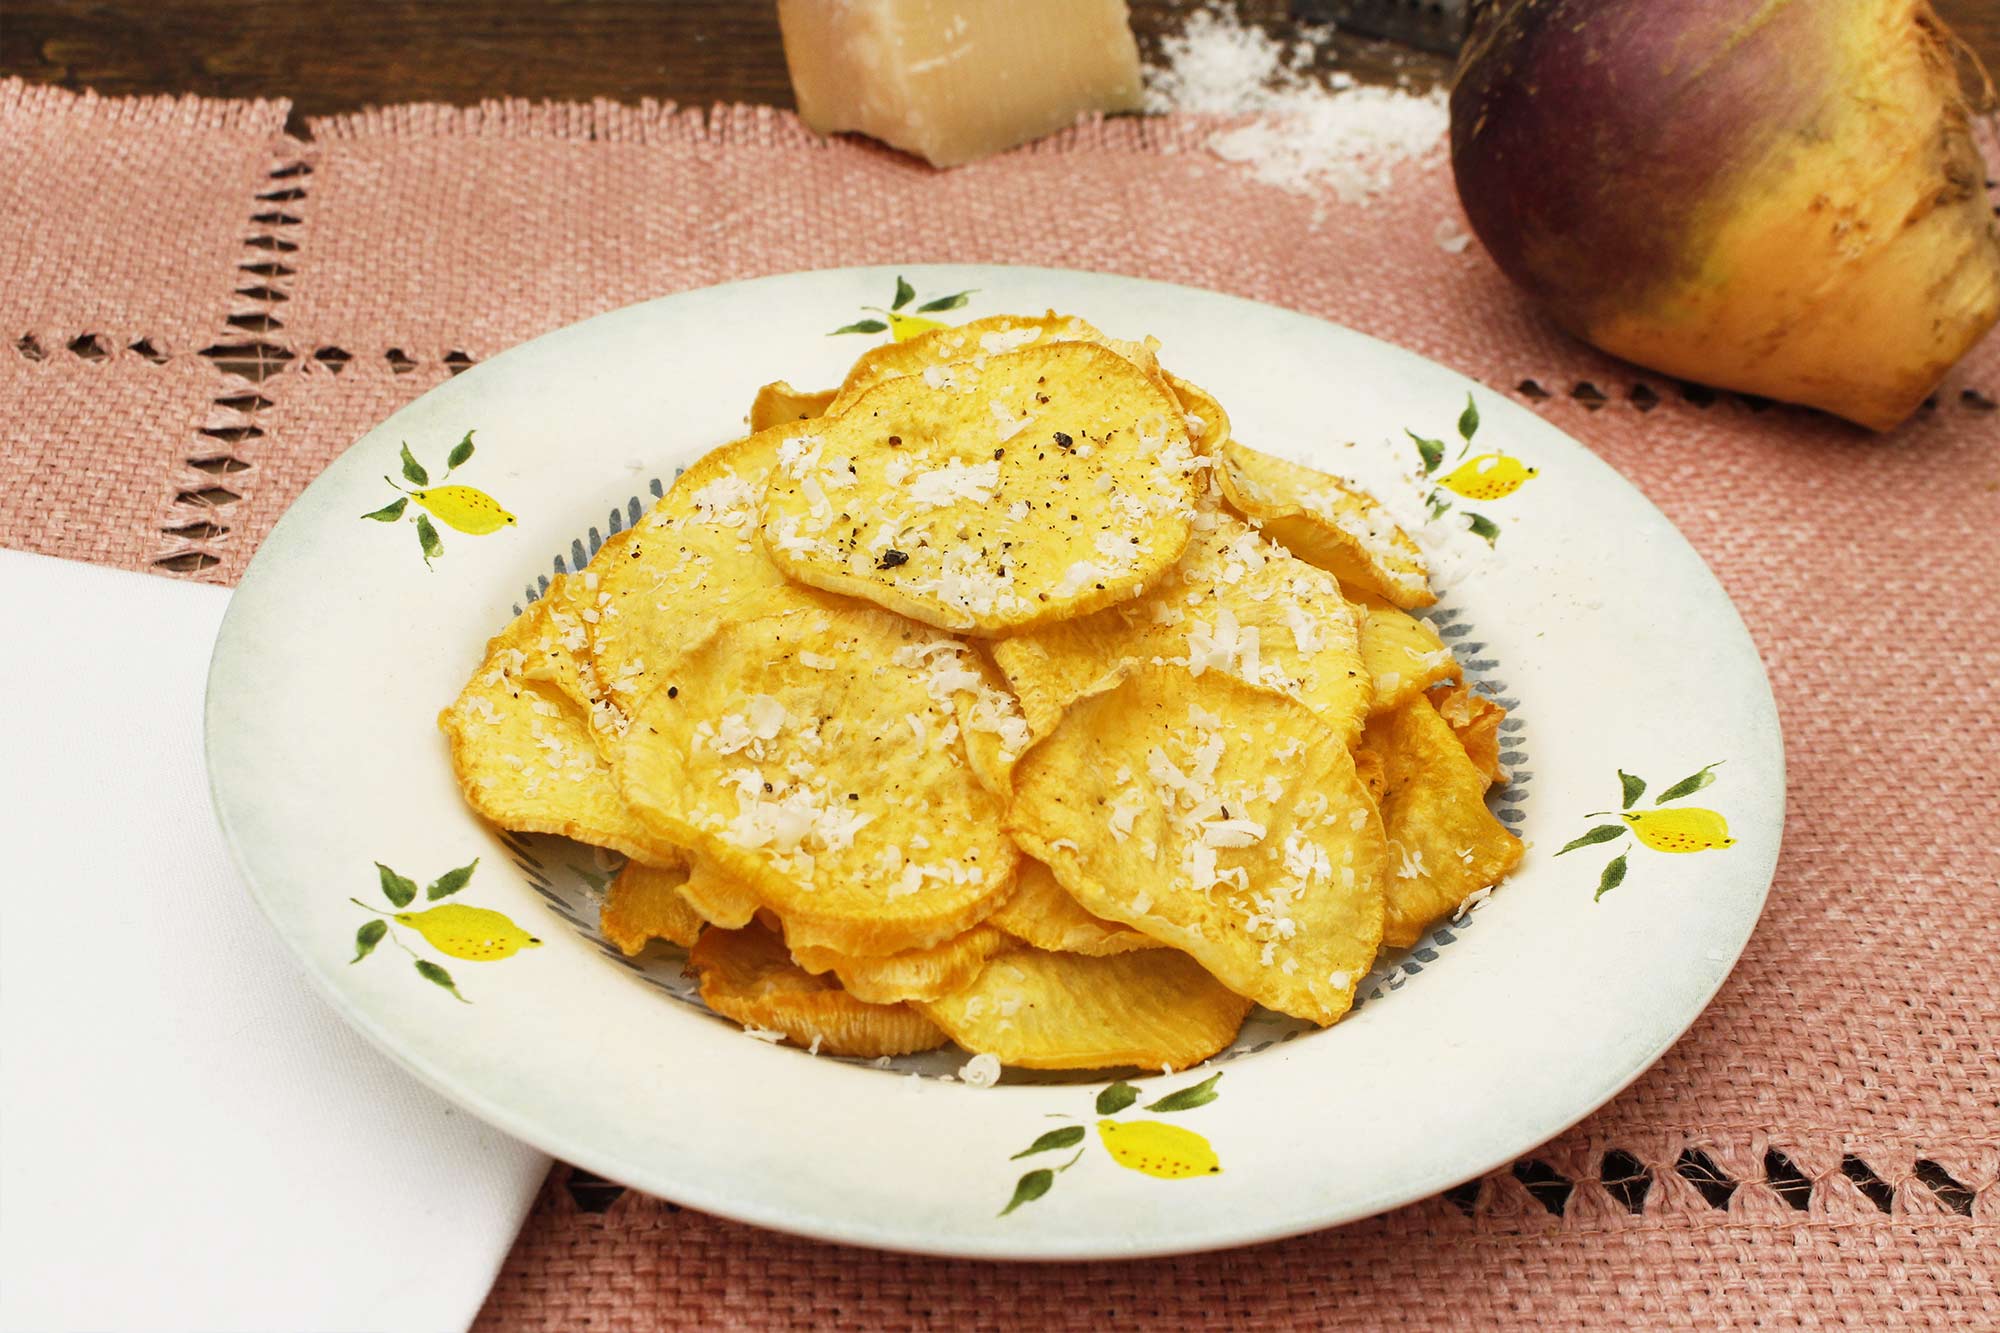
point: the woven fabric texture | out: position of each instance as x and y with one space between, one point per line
201 313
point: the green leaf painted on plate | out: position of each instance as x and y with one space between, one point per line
413 471
366 938
1634 788
1484 526
905 293
1067 1137
450 882
1613 876
1030 1188
1602 833
952 302
1431 450
437 976
1688 785
460 453
1468 421
1116 1098
390 512
861 326
395 888
1200 1094
427 536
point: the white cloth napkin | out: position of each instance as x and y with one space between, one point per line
189 1137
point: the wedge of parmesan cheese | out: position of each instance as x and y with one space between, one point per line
956 80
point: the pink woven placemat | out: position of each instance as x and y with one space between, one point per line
202 312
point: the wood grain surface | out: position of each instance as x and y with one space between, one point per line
339 57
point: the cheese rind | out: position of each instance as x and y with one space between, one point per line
956 80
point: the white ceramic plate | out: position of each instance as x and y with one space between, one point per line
1609 641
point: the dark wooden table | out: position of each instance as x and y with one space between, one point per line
329 58
382 51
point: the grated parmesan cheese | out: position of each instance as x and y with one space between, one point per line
1008 340
981 1071
955 481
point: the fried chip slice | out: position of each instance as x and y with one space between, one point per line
747 975
1051 483
1207 423
973 342
1322 519
1476 719
806 756
524 753
1368 767
1444 844
779 404
716 898
1039 1010
989 716
692 563
1223 819
1040 912
644 903
1235 603
914 974
575 604
1401 655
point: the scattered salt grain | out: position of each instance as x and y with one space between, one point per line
1298 133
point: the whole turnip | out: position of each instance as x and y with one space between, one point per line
1776 196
